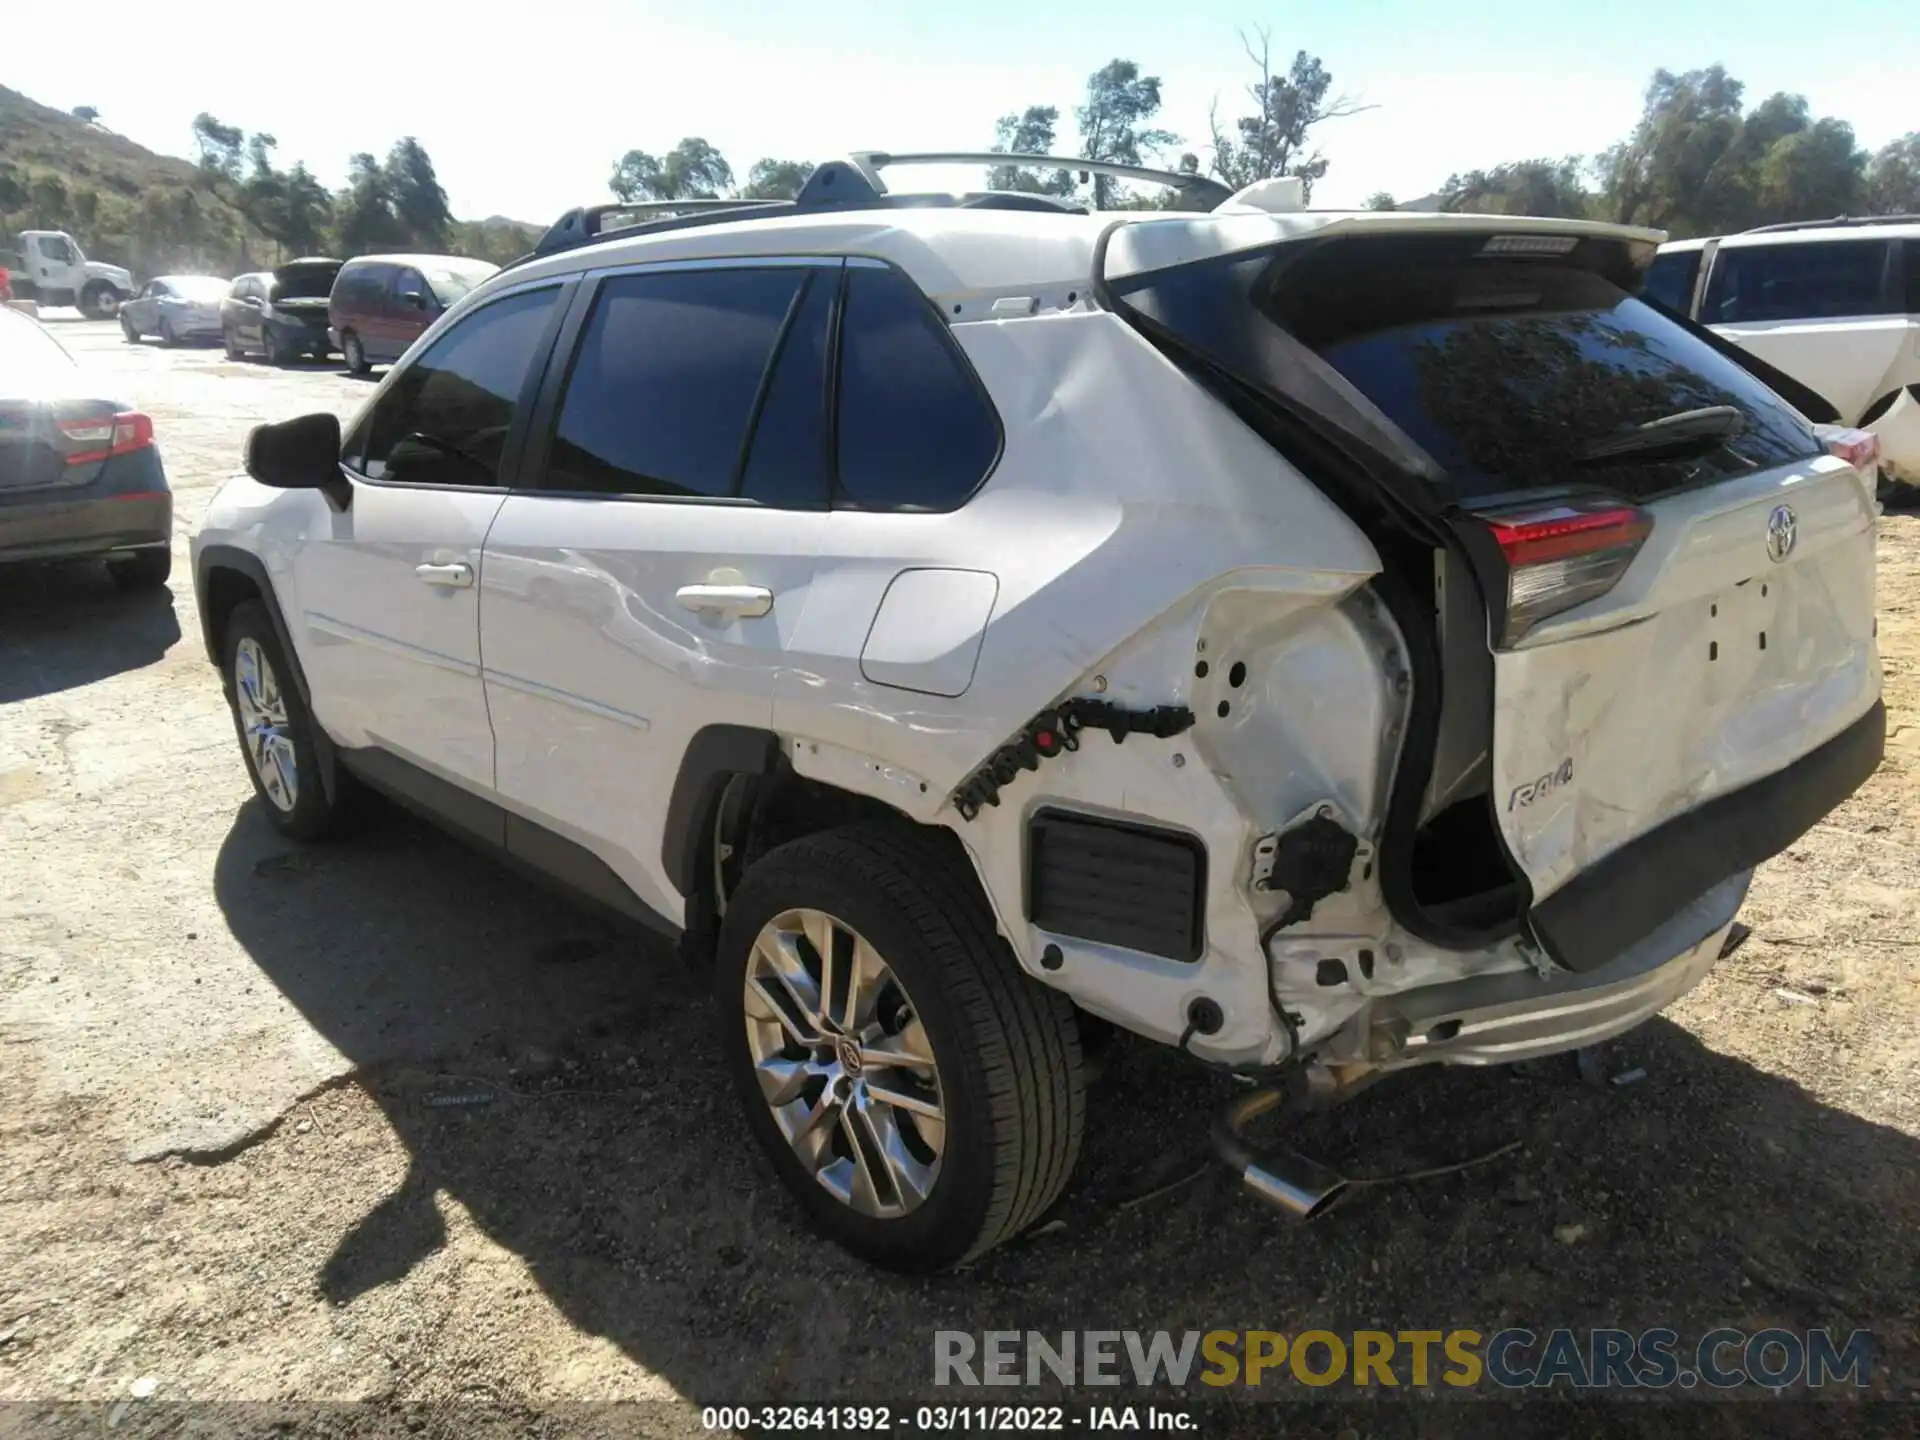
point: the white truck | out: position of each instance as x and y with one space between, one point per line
50 268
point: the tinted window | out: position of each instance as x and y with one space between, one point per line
1912 299
787 461
663 385
916 431
1814 280
444 420
363 287
1509 373
1670 279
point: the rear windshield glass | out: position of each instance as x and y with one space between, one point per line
1510 374
27 353
199 287
308 282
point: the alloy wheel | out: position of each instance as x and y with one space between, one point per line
844 1063
264 726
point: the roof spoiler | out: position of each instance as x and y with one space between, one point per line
856 183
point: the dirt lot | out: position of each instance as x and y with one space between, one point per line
229 1166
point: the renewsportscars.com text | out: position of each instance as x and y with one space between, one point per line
1509 1359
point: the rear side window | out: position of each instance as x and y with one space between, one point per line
363 286
1670 279
1911 300
445 418
788 459
916 429
665 381
1814 280
1513 375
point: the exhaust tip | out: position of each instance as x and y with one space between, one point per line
1296 1186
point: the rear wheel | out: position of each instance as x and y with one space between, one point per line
270 348
276 732
355 353
920 1097
142 570
232 343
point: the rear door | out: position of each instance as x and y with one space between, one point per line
1827 311
650 579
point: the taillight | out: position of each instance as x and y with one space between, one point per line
1562 555
103 438
1859 448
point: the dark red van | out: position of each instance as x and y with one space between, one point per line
381 303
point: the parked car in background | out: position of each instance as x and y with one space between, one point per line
381 304
176 308
79 472
52 269
281 313
1834 303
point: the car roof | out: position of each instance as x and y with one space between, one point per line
1814 231
175 279
952 250
416 260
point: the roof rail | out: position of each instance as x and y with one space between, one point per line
1838 221
855 183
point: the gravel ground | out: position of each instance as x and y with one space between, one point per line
230 1165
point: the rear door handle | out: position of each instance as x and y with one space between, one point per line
457 576
741 602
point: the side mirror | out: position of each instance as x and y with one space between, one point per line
414 299
300 454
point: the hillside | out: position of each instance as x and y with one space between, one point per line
154 213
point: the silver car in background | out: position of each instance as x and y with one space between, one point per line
176 308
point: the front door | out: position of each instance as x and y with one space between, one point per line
650 580
389 601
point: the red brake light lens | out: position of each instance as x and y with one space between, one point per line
101 439
1562 555
1859 448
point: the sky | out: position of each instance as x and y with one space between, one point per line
525 109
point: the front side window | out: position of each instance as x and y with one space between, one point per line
55 247
663 387
1811 280
445 418
916 430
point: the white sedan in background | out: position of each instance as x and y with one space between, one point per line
176 308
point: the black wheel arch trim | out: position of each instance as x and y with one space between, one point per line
1627 895
714 755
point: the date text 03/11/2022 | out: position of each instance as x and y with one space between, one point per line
943 1419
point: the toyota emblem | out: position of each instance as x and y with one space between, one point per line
1782 531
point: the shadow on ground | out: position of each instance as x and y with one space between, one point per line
66 624
1708 1194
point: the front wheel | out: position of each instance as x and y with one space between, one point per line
919 1096
232 344
127 329
277 734
98 302
355 353
167 337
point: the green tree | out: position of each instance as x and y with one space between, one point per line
86 114
418 203
1893 177
1681 168
1274 139
1380 200
219 146
1522 187
776 179
48 202
1812 174
1031 132
364 211
692 170
1114 122
308 211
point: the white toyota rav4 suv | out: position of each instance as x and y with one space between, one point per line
1328 643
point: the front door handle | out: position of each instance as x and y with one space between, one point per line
740 602
457 576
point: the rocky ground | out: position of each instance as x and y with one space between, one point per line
380 1122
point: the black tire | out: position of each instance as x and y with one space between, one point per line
97 302
126 328
270 350
355 353
318 809
142 570
232 344
167 337
1007 1048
